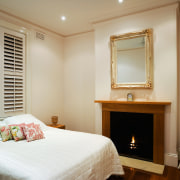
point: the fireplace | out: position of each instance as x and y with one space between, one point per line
132 134
155 108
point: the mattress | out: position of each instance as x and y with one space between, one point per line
61 155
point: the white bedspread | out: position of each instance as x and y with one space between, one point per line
62 155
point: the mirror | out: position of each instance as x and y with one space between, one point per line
131 60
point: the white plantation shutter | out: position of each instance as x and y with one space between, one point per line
13 92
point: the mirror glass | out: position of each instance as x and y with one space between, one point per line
131 60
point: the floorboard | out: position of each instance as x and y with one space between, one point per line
170 173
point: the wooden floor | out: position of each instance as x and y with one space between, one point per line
170 173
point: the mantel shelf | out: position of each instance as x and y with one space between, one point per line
117 101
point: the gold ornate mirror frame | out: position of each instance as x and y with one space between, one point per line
148 58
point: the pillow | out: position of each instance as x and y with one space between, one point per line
24 118
17 131
2 123
5 133
33 132
39 132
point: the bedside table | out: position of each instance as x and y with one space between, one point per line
60 126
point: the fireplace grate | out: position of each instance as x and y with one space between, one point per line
132 134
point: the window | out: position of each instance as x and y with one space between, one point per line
12 60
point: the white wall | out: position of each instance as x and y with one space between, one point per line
78 84
44 69
163 23
46 57
57 84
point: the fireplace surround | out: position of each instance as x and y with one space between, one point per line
157 108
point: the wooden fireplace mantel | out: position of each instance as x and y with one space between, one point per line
117 101
155 107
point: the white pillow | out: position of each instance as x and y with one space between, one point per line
2 123
24 118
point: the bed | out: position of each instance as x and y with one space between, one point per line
60 155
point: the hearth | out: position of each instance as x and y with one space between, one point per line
156 108
132 134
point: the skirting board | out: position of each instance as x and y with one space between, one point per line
142 165
171 159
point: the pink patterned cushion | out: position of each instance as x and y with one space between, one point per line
29 125
33 132
39 132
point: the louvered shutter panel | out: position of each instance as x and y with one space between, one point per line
13 77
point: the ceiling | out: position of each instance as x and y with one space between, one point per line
80 14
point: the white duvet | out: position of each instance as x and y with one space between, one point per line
62 155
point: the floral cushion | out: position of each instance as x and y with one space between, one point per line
1 124
5 133
33 132
17 132
39 132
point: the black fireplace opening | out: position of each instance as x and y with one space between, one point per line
132 134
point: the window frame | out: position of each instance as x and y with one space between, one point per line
13 74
